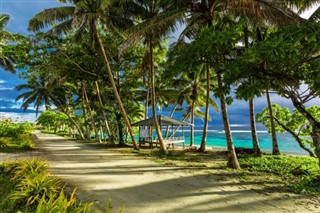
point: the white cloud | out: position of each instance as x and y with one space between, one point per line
19 117
2 81
6 88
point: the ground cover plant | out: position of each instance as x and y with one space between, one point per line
299 174
27 186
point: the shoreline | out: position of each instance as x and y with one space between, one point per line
220 148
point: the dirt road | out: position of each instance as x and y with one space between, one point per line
145 186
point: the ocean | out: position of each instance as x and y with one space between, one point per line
242 138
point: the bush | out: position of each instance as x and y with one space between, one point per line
9 129
27 186
302 173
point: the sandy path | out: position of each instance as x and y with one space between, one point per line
145 186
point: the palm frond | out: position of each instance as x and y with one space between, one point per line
49 17
7 64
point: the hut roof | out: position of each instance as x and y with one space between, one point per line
163 121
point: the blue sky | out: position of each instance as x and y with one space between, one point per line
22 10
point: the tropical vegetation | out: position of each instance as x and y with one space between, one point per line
102 63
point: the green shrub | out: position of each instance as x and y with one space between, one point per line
27 186
301 172
4 142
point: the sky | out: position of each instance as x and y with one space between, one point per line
21 11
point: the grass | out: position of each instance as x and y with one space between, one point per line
298 174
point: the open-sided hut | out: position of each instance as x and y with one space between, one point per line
145 130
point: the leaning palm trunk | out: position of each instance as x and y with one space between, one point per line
275 147
114 88
93 123
232 157
163 148
206 118
255 141
104 115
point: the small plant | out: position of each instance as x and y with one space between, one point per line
57 204
3 143
27 186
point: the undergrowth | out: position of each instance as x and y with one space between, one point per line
27 186
301 174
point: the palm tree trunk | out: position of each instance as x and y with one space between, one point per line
275 147
254 135
206 118
84 115
192 124
232 157
115 91
163 148
147 105
93 123
104 116
120 130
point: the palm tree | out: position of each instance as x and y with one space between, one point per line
40 92
156 19
5 61
83 15
204 13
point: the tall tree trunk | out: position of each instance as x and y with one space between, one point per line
111 139
147 105
254 135
232 157
115 91
120 130
93 123
275 147
192 124
163 148
84 115
206 118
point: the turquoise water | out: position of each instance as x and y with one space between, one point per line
242 138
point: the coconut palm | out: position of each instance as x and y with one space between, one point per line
40 92
5 61
204 13
81 16
155 20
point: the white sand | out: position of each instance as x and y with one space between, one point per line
142 185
